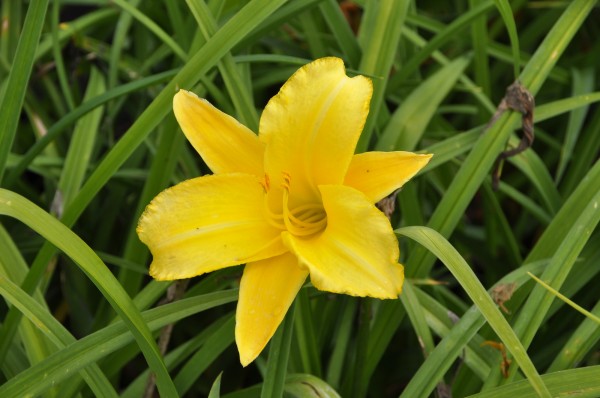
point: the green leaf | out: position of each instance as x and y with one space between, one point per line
305 335
449 32
534 168
566 299
583 84
341 30
200 344
555 108
409 121
443 250
11 100
453 344
279 352
308 386
91 348
61 125
202 359
14 268
480 160
506 12
63 238
534 311
580 383
79 155
582 341
56 332
342 338
153 27
379 36
215 390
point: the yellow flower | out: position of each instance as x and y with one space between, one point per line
291 202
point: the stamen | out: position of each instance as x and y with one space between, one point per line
274 219
266 183
286 181
304 220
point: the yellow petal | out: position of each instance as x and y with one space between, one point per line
378 174
357 254
267 290
226 145
312 125
205 224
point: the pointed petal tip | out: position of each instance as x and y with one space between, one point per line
246 360
183 97
422 159
425 156
188 99
248 349
182 91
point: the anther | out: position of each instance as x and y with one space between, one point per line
286 181
266 183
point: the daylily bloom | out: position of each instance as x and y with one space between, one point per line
291 202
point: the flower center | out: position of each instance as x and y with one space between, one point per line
303 220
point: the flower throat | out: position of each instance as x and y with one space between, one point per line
303 220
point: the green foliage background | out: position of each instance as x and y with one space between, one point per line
87 138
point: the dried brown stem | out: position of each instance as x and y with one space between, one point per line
519 99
